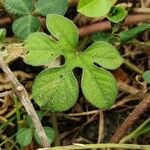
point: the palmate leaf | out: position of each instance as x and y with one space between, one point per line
23 26
45 7
19 7
57 88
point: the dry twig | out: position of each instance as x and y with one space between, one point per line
22 94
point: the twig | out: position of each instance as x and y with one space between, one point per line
131 119
5 93
55 127
4 21
106 25
101 126
108 145
141 10
22 94
135 132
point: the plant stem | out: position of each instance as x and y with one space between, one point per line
106 25
131 119
22 94
55 126
133 134
100 146
133 67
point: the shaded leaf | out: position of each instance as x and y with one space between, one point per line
19 7
146 76
45 7
2 34
50 134
94 8
104 36
117 15
23 26
55 89
24 136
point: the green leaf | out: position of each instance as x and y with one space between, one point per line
19 7
99 87
24 136
55 89
94 8
103 54
45 7
23 26
49 132
41 49
63 29
132 33
104 36
146 76
2 34
117 14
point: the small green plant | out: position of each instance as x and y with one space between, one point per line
146 76
102 8
27 134
122 37
57 88
26 13
117 14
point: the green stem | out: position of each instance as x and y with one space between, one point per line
134 133
55 126
108 145
133 67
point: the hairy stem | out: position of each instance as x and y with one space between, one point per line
131 119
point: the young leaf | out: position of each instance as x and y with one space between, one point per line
132 33
23 26
41 49
103 87
104 36
63 29
146 76
94 8
49 132
103 54
55 89
2 34
24 136
45 7
117 15
19 7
